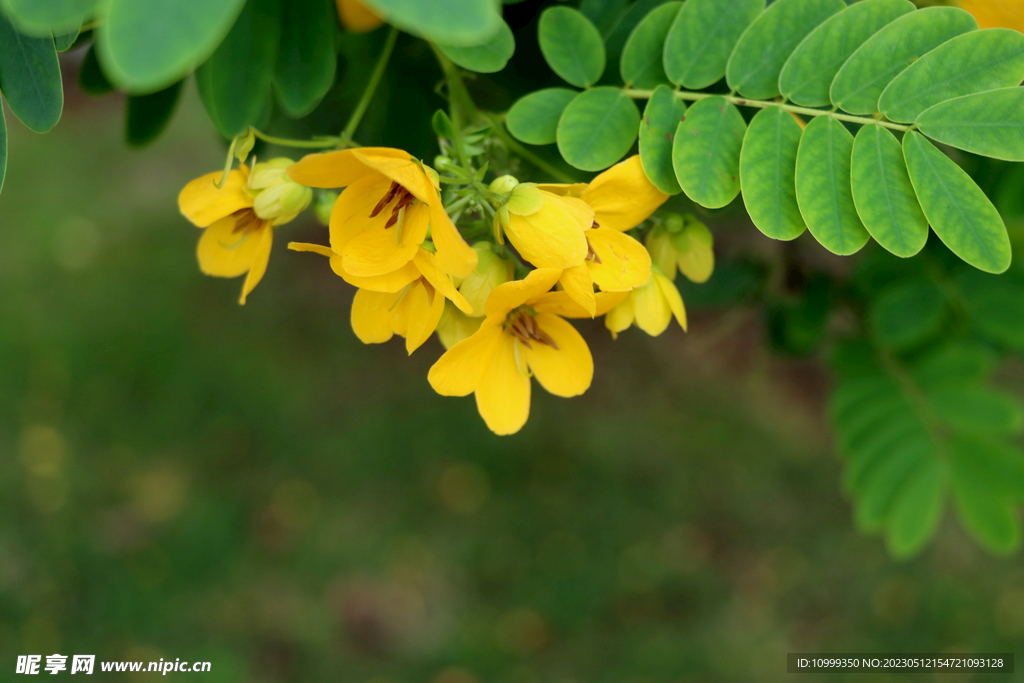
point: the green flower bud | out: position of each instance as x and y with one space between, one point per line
324 205
663 255
674 223
491 271
504 185
525 199
244 144
278 199
455 325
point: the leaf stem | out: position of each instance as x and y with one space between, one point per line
371 87
764 104
510 142
287 142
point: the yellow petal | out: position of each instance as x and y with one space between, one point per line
371 316
622 263
565 371
996 13
314 248
329 169
394 281
672 298
459 371
224 253
698 261
425 308
623 196
503 396
401 168
513 294
377 252
560 303
564 189
356 17
426 263
651 308
577 284
577 208
259 265
350 216
454 256
550 238
204 204
620 317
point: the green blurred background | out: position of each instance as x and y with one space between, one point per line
181 477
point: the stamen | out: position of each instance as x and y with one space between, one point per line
521 363
525 329
388 196
246 221
591 254
400 296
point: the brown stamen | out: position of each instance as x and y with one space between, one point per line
246 221
591 254
524 327
405 198
595 226
388 196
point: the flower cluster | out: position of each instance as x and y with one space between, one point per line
499 306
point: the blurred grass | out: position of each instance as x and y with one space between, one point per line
184 477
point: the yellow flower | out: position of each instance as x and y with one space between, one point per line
622 197
615 262
546 229
996 13
683 244
651 307
357 17
239 218
524 333
407 302
382 217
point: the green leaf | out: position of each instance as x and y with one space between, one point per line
534 118
955 365
702 38
490 57
768 174
571 46
605 14
883 193
959 212
147 46
64 41
641 64
883 484
989 517
995 305
756 62
867 72
3 146
917 510
236 79
308 60
823 186
907 315
987 123
657 130
978 410
90 77
459 23
597 128
148 115
853 395
807 75
874 447
706 152
973 62
41 18
30 78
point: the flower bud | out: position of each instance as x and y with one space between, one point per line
455 325
324 206
504 185
277 198
491 271
244 144
685 244
663 255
